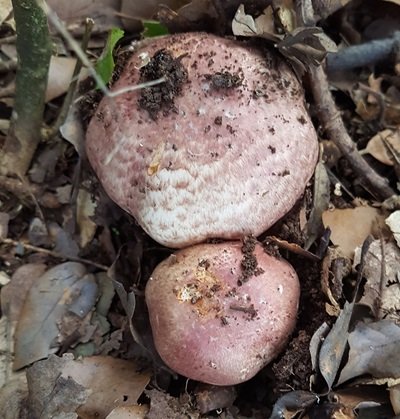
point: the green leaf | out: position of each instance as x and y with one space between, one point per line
153 28
105 64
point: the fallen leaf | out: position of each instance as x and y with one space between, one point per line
52 395
393 221
129 412
377 148
395 398
332 349
210 397
54 293
350 226
111 382
5 10
85 209
382 289
246 25
321 198
60 74
292 403
374 350
4 220
162 405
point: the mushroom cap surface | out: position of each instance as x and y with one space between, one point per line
229 157
207 327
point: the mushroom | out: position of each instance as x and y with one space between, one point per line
223 147
214 322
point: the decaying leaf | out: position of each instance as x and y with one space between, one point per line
129 412
162 405
374 350
303 46
350 226
52 395
85 209
246 25
292 403
55 293
60 74
382 287
321 198
90 387
332 349
334 268
395 398
112 382
334 345
393 221
377 148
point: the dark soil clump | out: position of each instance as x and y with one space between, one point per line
224 80
161 97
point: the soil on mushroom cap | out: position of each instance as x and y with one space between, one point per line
249 263
161 97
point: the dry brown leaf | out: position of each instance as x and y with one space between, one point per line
376 145
374 350
85 209
129 412
112 382
5 10
393 221
395 398
55 293
350 226
383 299
60 75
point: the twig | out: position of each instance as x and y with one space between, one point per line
53 254
334 126
361 55
26 191
34 51
74 82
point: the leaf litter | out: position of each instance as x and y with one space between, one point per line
91 321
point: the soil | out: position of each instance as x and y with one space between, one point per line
161 97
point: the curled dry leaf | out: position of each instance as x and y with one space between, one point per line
377 145
374 350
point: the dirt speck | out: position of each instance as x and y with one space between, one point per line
249 263
161 97
224 80
218 120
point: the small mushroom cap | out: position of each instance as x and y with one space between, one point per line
231 155
207 327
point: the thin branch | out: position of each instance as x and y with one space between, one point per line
53 254
362 55
334 126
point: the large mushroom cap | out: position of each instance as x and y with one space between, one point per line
208 327
224 148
